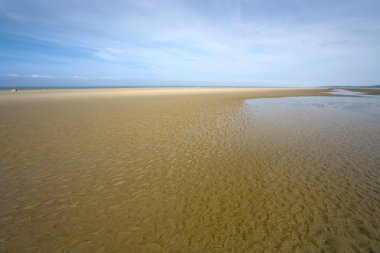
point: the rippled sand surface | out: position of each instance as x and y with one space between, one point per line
96 171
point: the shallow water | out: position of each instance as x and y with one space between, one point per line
330 147
346 92
191 174
369 105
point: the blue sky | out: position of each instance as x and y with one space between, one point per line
184 42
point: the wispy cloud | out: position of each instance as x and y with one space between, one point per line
12 75
80 77
111 54
40 76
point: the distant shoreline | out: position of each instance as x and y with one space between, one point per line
145 86
240 93
2 88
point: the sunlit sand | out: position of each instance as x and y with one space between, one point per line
188 170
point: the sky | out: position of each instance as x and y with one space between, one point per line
189 42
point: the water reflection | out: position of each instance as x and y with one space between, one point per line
351 106
346 92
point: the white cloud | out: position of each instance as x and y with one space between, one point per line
108 78
80 77
111 54
40 76
13 75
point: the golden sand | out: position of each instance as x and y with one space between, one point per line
177 170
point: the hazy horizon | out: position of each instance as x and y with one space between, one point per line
28 82
54 82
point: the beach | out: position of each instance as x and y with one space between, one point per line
185 170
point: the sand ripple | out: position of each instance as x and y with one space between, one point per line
200 173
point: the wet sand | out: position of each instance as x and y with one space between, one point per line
184 170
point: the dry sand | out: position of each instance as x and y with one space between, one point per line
175 170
